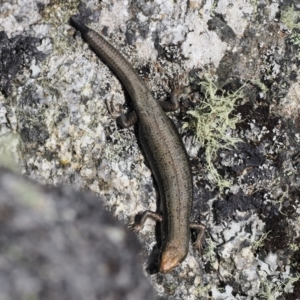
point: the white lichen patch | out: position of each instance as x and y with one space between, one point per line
290 104
239 261
41 30
192 47
114 15
17 16
193 34
35 69
3 119
189 28
235 9
222 295
255 133
234 246
271 260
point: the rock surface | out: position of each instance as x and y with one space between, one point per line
56 243
241 58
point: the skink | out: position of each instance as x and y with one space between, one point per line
163 147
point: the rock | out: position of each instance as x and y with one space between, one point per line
57 243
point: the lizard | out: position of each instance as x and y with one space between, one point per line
164 150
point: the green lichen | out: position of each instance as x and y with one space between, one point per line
295 39
273 289
294 247
269 291
210 253
260 85
213 122
260 242
202 291
290 18
289 282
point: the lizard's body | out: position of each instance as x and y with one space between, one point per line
163 147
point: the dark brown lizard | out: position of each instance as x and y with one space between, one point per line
164 150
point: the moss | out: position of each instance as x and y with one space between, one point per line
213 122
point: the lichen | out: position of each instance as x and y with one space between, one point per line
272 289
260 242
290 18
210 251
295 39
203 291
213 122
260 85
9 149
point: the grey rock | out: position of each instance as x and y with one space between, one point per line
57 243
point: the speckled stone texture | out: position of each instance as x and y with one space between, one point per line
59 102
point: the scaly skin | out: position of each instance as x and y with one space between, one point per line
163 147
